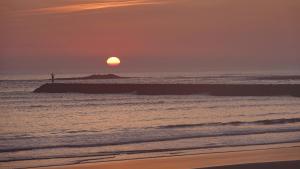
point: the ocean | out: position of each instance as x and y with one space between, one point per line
40 129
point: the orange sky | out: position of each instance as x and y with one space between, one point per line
148 35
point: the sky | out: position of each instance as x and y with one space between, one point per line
40 36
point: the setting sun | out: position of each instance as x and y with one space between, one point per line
113 61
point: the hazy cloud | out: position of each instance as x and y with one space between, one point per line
91 6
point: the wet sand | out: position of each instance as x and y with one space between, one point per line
267 165
277 158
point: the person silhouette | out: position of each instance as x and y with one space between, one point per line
52 77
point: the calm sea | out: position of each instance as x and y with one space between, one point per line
39 129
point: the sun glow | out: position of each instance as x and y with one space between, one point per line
113 61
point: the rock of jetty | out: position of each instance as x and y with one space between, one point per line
175 89
105 76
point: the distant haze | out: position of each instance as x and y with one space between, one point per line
149 35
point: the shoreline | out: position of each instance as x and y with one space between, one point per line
241 159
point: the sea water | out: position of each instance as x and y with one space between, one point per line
39 129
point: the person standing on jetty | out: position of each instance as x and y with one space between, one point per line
52 77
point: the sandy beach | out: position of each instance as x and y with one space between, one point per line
277 158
